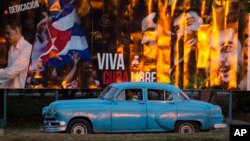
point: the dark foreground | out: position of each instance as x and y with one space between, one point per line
35 135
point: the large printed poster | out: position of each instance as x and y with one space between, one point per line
78 44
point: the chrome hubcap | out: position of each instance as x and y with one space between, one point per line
186 129
78 129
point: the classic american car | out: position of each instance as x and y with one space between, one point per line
133 107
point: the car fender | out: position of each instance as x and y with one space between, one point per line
166 118
195 111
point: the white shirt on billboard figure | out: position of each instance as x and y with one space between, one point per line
14 75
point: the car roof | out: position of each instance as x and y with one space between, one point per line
125 85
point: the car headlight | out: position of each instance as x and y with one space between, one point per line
216 110
44 111
54 110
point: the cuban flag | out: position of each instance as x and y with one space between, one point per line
65 36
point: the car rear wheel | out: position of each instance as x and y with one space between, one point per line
186 127
79 126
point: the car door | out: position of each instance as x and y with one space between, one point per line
129 114
161 110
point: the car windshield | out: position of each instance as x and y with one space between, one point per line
108 93
183 96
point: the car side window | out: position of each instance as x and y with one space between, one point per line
155 94
168 96
130 95
121 96
159 95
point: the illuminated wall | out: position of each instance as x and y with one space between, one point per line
192 44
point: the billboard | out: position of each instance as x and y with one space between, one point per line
91 43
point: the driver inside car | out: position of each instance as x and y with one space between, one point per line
131 96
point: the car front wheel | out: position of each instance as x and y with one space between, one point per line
186 127
79 126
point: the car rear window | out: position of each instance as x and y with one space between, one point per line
159 95
183 96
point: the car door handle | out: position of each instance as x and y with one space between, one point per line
171 102
141 102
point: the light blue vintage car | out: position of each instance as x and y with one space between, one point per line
133 107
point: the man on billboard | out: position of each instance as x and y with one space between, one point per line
227 61
225 49
149 39
245 81
14 75
149 43
186 26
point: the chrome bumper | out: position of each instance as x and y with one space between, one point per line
220 125
52 126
